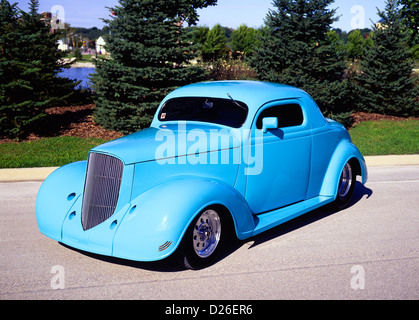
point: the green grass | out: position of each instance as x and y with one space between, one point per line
47 152
372 138
386 137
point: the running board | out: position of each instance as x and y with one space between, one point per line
274 218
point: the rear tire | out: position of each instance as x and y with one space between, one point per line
346 187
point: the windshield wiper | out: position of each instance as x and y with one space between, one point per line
235 102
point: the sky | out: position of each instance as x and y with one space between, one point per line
354 14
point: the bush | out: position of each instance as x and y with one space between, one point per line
77 54
231 70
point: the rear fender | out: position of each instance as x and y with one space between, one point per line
344 152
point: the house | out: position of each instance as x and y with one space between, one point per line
62 45
100 46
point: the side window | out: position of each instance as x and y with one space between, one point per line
288 115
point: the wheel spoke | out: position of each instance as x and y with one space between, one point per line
207 232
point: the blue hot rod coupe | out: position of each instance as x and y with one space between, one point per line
220 158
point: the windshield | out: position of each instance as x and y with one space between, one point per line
226 112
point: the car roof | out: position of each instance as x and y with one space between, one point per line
252 93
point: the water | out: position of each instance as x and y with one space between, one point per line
79 74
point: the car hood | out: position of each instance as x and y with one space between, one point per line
171 140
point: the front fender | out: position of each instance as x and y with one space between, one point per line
344 152
56 197
155 224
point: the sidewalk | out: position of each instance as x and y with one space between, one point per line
39 174
25 174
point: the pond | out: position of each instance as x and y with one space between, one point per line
79 74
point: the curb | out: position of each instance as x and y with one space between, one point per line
40 174
25 174
392 161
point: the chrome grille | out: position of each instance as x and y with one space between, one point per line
101 190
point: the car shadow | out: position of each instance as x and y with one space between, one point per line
167 265
310 217
171 264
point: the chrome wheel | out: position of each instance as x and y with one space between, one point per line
345 181
203 242
206 233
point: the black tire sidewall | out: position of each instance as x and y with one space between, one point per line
342 202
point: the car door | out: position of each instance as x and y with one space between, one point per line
284 177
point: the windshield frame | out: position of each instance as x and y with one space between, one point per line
203 106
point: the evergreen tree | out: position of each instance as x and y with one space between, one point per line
355 45
337 41
385 82
368 42
410 15
215 44
150 56
297 51
28 69
200 35
243 40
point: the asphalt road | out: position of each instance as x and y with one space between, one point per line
368 251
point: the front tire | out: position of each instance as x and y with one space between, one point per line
203 240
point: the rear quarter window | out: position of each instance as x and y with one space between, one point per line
289 115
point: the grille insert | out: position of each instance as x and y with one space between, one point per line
101 190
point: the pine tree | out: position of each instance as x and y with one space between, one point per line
355 45
385 81
410 15
243 40
215 44
199 35
297 51
149 57
29 68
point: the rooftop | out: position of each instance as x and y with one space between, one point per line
253 93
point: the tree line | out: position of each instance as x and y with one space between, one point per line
296 46
157 48
220 42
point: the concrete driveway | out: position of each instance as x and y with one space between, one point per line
368 251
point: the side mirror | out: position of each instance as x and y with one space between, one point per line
270 123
